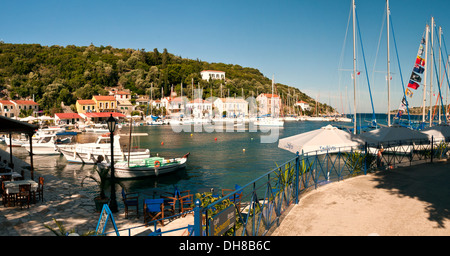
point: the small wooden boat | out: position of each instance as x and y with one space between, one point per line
152 166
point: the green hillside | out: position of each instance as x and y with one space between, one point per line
55 74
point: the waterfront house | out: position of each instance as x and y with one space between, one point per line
212 74
67 118
304 105
125 107
232 107
176 105
268 104
105 103
199 108
25 105
121 95
101 117
7 108
85 106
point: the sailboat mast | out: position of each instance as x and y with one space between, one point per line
354 68
272 101
425 74
439 76
388 13
431 71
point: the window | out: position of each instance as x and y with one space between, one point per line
84 107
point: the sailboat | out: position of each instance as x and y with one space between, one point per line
272 120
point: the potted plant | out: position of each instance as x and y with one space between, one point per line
101 180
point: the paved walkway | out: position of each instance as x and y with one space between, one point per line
407 201
76 210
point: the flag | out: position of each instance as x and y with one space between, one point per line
420 52
415 77
409 93
413 85
418 69
420 61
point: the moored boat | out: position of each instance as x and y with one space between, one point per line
152 166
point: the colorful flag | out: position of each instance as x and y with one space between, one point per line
409 93
420 61
415 77
418 69
413 85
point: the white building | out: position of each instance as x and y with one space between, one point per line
212 74
233 107
199 108
269 104
303 105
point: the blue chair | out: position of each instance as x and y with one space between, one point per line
154 209
130 199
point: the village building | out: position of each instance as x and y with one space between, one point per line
7 108
101 117
85 106
67 118
125 107
212 74
231 107
268 104
302 104
105 103
13 108
199 108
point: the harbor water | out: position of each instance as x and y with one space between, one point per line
217 160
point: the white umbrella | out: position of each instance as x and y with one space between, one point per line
439 132
45 118
392 134
29 118
326 139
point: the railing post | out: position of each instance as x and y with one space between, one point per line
197 218
365 158
297 176
431 148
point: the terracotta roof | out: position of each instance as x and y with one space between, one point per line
25 102
6 102
103 114
122 92
100 97
67 115
268 95
86 102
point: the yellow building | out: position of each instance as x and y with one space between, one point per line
105 103
85 106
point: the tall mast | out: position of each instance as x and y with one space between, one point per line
354 68
388 13
425 74
431 71
439 76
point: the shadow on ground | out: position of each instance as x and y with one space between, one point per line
429 183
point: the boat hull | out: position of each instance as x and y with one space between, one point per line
89 156
122 171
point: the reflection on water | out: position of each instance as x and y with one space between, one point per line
217 159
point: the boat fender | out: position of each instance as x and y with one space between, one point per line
157 163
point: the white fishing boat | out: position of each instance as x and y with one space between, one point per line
45 144
88 153
16 142
269 122
152 166
97 128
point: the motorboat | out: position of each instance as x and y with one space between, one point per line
46 143
89 153
152 166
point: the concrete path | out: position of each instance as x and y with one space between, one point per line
407 201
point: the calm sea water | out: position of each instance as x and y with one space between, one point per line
218 164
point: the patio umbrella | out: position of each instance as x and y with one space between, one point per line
29 118
392 134
326 139
439 132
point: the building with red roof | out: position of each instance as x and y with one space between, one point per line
67 118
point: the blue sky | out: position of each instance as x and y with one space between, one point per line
299 42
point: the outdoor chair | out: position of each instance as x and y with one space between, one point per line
40 189
24 195
170 203
153 210
235 198
186 203
7 199
130 199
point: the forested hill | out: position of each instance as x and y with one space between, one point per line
55 74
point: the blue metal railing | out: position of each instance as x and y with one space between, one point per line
259 205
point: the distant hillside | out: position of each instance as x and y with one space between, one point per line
55 74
